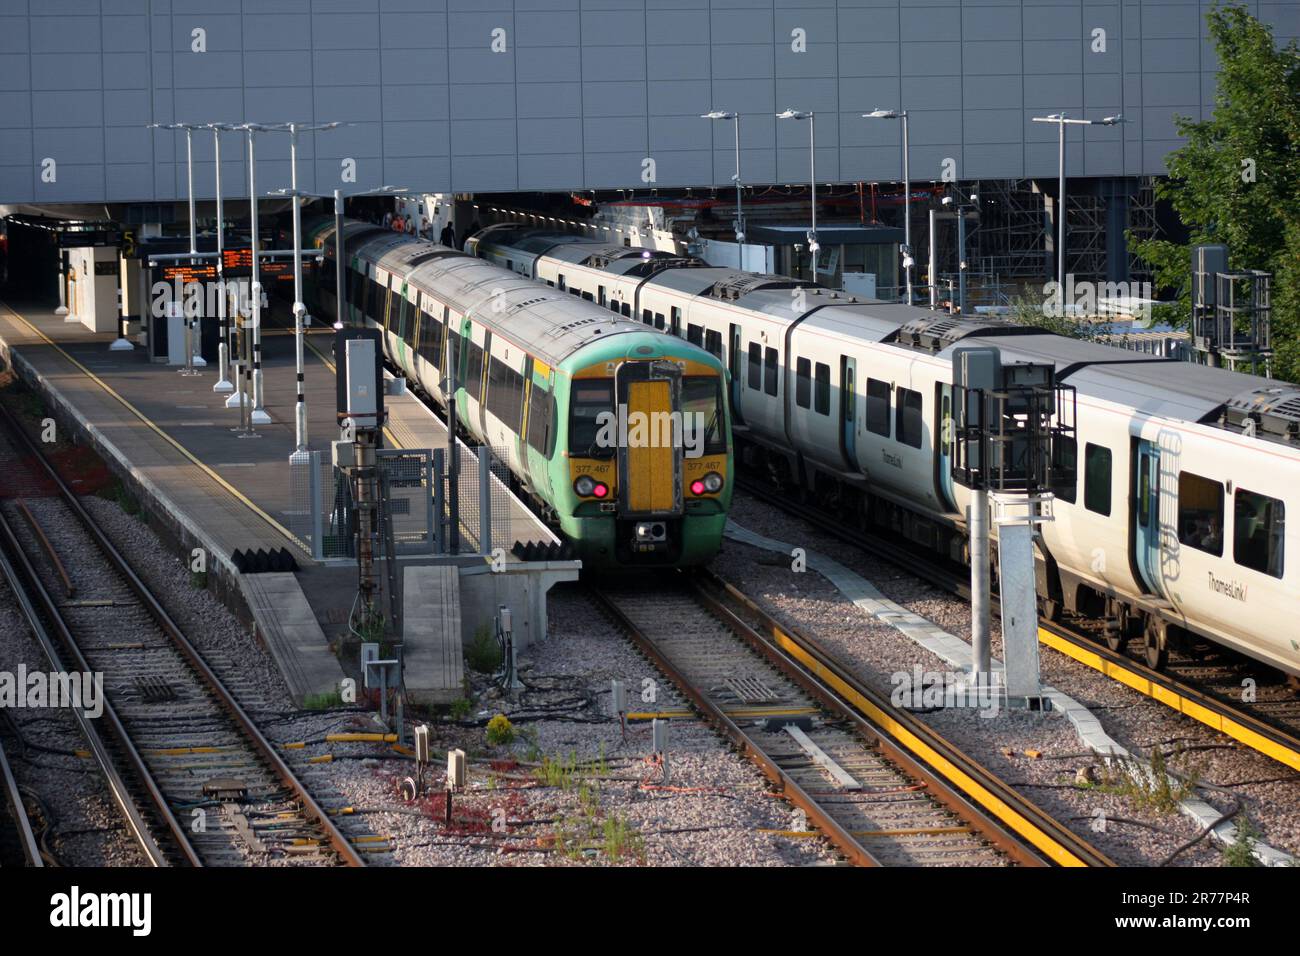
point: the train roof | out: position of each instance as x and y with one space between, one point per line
847 319
550 324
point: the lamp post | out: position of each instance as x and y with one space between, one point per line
739 224
813 246
253 365
339 288
299 309
190 358
222 384
1062 121
907 193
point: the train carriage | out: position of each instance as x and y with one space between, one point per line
1175 526
559 386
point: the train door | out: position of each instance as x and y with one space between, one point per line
388 300
1146 517
410 329
484 358
736 365
649 469
848 414
461 346
947 439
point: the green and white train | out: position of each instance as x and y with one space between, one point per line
621 435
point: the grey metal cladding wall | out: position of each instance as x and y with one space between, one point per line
587 90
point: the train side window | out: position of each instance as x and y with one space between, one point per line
802 382
647 317
907 427
505 394
588 296
822 393
713 342
878 407
453 343
474 373
695 335
541 422
1066 452
770 370
755 366
1258 529
1200 513
1096 478
627 310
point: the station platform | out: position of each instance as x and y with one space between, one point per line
171 438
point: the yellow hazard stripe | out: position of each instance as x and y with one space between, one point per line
1279 751
989 800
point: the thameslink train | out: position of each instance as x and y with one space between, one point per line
1175 526
534 372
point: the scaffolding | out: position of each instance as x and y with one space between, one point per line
1010 242
1142 225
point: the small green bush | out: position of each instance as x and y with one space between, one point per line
326 701
500 731
1242 853
484 654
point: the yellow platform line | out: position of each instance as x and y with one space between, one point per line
157 430
1280 752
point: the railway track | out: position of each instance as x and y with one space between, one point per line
861 785
196 781
18 844
1270 735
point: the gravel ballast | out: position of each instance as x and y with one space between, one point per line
876 652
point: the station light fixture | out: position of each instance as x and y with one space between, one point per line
739 223
1062 120
813 245
879 113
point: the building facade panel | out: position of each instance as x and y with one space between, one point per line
495 95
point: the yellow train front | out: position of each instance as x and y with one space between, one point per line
644 476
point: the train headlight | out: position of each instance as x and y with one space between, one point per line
710 484
588 487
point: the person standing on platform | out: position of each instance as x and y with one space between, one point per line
448 237
473 228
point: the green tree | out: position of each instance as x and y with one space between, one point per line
1237 179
